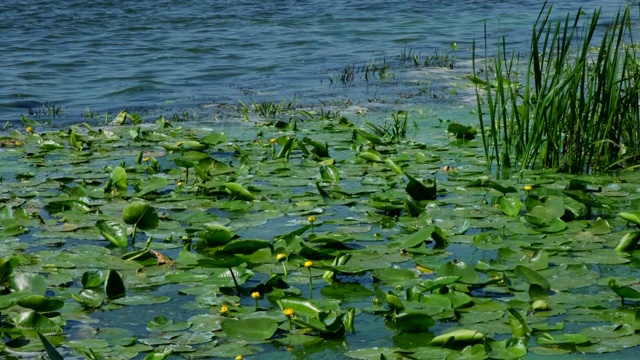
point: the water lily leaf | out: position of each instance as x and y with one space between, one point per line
392 275
412 206
114 286
319 149
221 260
302 306
41 303
89 298
420 236
484 181
142 300
510 205
246 247
435 284
249 329
624 291
532 277
371 155
413 321
464 271
608 331
518 324
629 241
368 136
555 226
238 191
419 190
396 169
118 179
52 353
632 217
584 198
458 338
6 267
313 254
467 132
141 214
192 145
189 159
214 138
151 185
285 151
33 284
546 339
31 320
514 348
115 232
392 300
329 173
214 235
472 352
92 279
600 227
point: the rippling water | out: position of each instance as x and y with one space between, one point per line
166 56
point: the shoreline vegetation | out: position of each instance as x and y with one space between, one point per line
313 234
574 107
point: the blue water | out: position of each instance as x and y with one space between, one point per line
164 57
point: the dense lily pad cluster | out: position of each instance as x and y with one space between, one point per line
307 234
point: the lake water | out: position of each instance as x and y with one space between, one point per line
164 57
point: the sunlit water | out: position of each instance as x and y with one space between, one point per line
167 57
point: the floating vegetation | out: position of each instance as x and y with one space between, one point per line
292 239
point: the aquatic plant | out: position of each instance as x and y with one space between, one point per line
568 107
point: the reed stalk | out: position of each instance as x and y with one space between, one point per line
577 110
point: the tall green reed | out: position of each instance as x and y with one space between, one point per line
575 108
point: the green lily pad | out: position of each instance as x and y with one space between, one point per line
142 215
41 303
249 329
510 205
391 275
413 321
114 232
458 337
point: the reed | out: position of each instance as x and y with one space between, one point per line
575 109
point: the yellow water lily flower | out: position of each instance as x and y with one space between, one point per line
311 219
308 263
224 309
528 188
255 295
281 257
288 312
29 129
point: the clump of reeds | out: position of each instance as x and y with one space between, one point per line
576 106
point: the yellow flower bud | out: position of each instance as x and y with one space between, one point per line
146 158
311 218
239 357
281 257
308 263
273 140
288 312
224 309
29 129
180 183
255 295
528 188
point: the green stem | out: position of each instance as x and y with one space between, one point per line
233 276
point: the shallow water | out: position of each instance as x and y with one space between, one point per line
163 58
